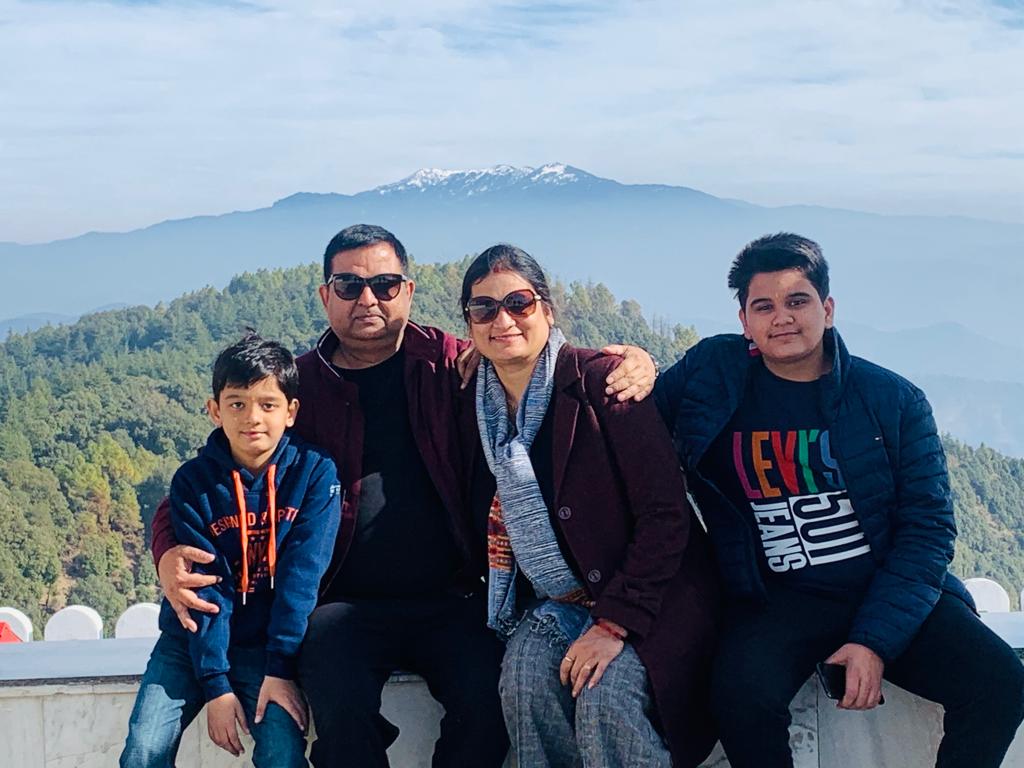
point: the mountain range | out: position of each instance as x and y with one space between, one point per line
931 297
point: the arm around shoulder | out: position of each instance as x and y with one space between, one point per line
647 465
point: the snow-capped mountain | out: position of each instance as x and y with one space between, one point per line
667 246
498 178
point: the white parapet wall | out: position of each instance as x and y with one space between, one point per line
989 596
139 621
76 622
19 623
66 705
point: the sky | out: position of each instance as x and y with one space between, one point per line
119 114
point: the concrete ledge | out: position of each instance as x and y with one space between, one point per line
66 705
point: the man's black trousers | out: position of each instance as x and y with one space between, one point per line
351 649
766 654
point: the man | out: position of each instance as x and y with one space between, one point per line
404 590
823 484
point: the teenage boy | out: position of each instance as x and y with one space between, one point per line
823 484
267 506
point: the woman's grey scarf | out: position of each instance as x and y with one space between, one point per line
524 512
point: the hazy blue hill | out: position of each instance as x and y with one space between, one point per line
946 349
979 412
666 246
30 322
975 385
925 296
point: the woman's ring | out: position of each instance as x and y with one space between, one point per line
570 659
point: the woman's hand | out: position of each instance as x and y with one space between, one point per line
588 658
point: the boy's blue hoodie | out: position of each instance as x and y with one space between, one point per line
267 590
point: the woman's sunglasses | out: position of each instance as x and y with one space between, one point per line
349 287
483 309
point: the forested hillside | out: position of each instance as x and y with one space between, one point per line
96 416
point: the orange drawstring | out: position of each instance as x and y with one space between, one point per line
243 526
272 503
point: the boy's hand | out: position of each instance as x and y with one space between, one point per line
286 694
864 671
634 376
179 583
221 715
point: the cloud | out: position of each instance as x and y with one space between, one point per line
125 113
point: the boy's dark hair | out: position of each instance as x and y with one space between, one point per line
773 253
253 358
504 257
360 236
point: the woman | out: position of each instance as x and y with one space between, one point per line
600 577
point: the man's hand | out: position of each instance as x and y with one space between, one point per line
221 715
863 676
634 376
179 583
588 658
467 363
286 694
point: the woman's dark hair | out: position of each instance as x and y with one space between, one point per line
773 253
505 258
251 359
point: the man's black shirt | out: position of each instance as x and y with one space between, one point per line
402 544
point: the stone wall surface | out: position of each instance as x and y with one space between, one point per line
83 725
66 705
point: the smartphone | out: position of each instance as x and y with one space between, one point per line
833 680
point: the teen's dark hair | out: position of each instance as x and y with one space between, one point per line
251 359
504 257
773 253
359 236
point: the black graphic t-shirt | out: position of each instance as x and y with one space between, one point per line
774 461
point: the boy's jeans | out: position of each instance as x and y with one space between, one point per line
170 698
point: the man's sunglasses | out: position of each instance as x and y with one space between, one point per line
483 309
349 287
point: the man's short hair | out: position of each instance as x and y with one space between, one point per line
251 359
773 253
360 236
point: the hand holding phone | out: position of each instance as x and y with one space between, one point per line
833 680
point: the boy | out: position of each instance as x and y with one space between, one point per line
270 559
823 484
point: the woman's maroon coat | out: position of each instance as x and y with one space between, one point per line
620 501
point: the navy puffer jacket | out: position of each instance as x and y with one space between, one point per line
885 441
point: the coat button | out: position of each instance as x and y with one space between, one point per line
594 576
564 513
